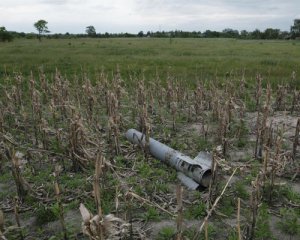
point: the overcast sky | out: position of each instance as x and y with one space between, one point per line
148 15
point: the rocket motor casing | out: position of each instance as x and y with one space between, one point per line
198 169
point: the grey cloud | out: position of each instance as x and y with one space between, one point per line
255 13
134 15
55 2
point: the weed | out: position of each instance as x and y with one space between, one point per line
5 177
240 190
232 235
45 214
247 158
196 211
121 161
227 206
166 233
262 224
242 142
151 214
191 233
289 222
291 196
74 181
73 205
139 189
255 168
203 144
250 104
162 187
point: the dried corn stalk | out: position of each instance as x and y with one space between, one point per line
280 96
90 100
22 186
114 121
77 139
199 97
17 217
1 221
179 220
238 226
2 237
296 138
1 120
295 101
258 91
255 200
173 112
98 173
263 125
58 169
112 228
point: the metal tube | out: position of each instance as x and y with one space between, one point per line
198 169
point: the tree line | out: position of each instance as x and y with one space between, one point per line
90 31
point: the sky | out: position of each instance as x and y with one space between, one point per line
116 16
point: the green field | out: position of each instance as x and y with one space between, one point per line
187 59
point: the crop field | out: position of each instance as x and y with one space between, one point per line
186 59
67 170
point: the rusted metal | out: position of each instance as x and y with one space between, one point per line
193 172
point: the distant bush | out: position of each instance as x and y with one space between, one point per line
5 36
31 36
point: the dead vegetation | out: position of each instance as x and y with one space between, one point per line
69 134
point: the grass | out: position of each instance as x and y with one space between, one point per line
188 59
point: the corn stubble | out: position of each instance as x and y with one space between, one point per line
79 125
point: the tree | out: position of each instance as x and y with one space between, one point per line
256 34
244 34
5 35
211 34
271 33
230 33
284 35
91 31
295 29
140 34
41 27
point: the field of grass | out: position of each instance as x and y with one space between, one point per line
187 59
62 138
